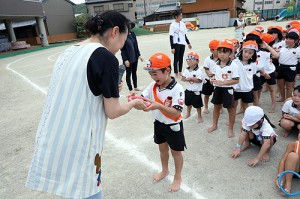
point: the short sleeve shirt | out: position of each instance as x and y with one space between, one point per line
266 130
246 73
197 73
289 56
178 31
228 72
173 90
103 75
290 107
209 64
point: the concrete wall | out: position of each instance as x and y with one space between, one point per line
60 17
129 14
20 8
212 5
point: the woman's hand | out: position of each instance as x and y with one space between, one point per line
190 46
139 104
173 50
127 63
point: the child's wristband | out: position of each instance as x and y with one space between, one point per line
294 115
278 175
239 146
238 149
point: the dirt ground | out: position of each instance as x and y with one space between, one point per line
130 157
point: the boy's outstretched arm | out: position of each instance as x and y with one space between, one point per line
264 148
237 152
168 110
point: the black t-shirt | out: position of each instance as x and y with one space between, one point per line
103 73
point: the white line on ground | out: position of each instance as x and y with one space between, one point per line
50 57
120 143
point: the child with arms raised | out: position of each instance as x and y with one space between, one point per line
193 78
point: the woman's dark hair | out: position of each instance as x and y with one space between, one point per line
252 60
276 31
224 50
100 23
176 13
292 35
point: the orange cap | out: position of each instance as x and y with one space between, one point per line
284 31
278 28
254 32
234 41
270 27
259 29
192 55
250 45
267 37
226 44
213 44
158 61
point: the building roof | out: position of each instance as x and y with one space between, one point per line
167 8
19 24
101 1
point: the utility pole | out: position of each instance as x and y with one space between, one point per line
145 8
262 9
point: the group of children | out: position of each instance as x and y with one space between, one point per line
234 72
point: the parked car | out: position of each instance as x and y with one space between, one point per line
251 18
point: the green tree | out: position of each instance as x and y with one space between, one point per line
79 23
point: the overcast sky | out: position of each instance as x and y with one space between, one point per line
78 1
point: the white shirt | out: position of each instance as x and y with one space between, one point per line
290 108
246 73
210 64
197 73
279 45
228 72
178 31
174 90
289 56
266 130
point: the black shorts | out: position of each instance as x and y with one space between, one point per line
256 83
191 99
276 64
207 88
223 95
256 142
170 133
271 81
285 72
247 97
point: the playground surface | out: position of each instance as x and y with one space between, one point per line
130 157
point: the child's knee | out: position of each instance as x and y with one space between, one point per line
286 124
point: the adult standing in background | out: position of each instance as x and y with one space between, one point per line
82 93
130 55
239 26
178 40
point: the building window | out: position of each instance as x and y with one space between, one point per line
268 2
277 1
121 7
99 9
130 5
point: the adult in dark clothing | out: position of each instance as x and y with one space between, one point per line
178 40
130 55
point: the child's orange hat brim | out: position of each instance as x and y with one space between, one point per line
254 32
193 54
268 38
226 44
158 61
213 44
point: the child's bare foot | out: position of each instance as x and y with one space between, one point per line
212 128
240 111
187 115
285 134
273 108
175 186
200 120
280 100
230 134
157 177
265 158
287 188
205 110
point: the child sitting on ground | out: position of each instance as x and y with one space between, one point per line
166 99
258 130
193 78
289 111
